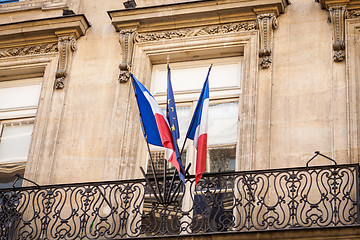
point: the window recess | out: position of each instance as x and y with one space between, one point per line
18 107
225 88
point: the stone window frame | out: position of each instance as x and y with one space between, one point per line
145 53
21 52
41 66
352 33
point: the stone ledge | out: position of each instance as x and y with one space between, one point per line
194 14
40 31
350 4
31 5
330 233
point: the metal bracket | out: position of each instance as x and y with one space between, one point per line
318 153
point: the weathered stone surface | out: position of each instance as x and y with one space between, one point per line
89 130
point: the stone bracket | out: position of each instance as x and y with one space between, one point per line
127 40
266 23
66 46
337 15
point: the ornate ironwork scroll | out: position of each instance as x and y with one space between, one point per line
312 197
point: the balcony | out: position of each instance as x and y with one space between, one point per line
311 198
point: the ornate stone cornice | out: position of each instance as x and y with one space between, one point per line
337 16
42 36
191 14
40 31
266 23
29 50
127 39
196 18
190 32
339 11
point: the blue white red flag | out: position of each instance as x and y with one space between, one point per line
155 125
198 129
173 121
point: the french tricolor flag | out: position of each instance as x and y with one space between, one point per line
198 129
155 125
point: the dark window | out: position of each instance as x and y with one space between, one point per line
7 179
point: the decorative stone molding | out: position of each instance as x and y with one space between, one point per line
127 40
337 15
191 32
353 14
58 34
265 62
191 14
266 23
29 50
66 46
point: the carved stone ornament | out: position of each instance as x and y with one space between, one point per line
66 46
29 50
337 16
265 62
191 32
353 14
266 23
127 40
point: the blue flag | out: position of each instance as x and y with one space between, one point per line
173 122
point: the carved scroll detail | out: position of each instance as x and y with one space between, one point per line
353 14
66 46
29 50
337 15
191 32
127 40
266 23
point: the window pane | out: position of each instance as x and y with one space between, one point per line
158 159
190 76
15 142
184 117
222 125
221 159
7 179
19 96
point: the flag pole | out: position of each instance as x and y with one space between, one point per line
148 147
167 115
174 139
173 178
182 149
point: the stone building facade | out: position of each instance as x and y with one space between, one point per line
296 93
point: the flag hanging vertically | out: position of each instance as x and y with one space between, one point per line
155 125
198 129
173 121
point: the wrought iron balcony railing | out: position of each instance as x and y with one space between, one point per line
313 197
